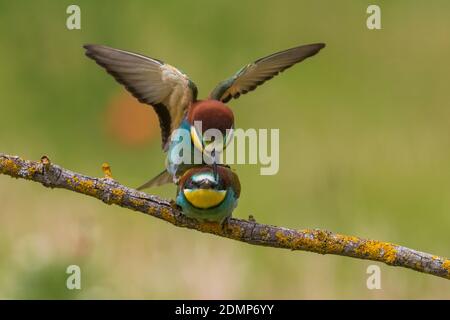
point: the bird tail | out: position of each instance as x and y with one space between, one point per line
161 179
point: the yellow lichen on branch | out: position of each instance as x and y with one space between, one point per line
249 231
9 167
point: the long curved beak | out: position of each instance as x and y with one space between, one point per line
213 154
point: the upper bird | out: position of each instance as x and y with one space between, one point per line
174 96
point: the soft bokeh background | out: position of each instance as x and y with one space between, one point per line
365 146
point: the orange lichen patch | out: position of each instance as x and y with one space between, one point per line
118 192
137 202
31 171
305 242
348 240
117 195
167 215
87 187
311 240
446 266
83 186
377 250
318 241
283 239
230 230
107 170
9 167
236 231
321 235
152 211
210 227
341 242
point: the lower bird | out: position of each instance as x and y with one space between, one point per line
208 194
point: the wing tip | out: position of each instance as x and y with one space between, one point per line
317 46
93 49
90 46
90 50
321 45
311 49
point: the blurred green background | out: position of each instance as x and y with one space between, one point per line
365 146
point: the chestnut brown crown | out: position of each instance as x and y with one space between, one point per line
213 114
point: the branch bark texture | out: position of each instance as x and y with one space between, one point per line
313 240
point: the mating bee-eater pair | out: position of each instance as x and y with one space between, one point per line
209 190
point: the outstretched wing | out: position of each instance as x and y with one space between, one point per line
151 81
258 72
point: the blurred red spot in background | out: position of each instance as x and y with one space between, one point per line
130 122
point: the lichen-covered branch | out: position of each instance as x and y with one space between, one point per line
313 240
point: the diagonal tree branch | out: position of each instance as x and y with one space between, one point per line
313 240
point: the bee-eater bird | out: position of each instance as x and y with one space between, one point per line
174 96
208 196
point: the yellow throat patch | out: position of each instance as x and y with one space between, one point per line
204 198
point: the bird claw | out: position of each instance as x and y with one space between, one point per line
224 224
174 205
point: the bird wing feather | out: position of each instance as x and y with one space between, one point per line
168 90
258 72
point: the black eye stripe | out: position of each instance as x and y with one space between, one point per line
190 183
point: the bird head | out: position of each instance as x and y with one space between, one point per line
211 126
203 188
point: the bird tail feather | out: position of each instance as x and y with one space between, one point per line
161 179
